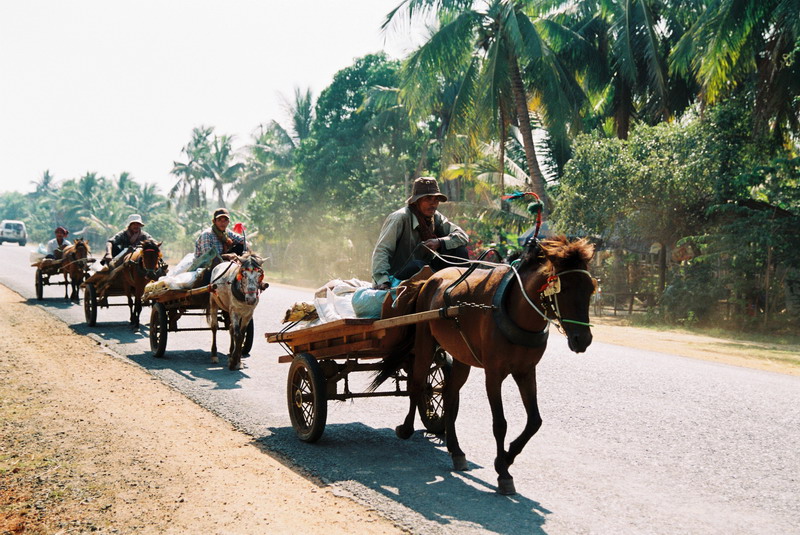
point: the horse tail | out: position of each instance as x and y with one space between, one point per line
399 355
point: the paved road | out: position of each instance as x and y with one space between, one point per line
632 441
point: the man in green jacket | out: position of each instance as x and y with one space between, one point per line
410 234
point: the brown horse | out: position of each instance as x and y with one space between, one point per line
73 265
141 266
505 334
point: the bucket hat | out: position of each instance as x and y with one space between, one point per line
134 218
221 212
424 186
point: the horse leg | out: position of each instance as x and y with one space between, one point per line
423 357
137 311
526 383
451 396
212 322
237 337
66 285
494 383
130 306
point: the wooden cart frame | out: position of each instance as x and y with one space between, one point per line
96 291
50 267
170 305
46 268
322 358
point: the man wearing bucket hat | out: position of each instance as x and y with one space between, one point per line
410 234
130 237
55 246
218 237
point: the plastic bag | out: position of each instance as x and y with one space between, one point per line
367 303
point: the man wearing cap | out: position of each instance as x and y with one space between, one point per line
130 237
218 237
410 234
56 246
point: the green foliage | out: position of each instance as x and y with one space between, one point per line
348 150
694 295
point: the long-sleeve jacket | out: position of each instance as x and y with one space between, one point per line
122 239
399 238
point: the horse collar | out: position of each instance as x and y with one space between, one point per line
513 332
236 291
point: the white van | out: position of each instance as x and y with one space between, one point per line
13 231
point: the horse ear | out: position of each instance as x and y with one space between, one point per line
159 244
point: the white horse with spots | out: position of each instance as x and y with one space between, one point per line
239 284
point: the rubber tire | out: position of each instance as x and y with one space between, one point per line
22 243
431 406
249 335
158 330
90 305
306 384
39 285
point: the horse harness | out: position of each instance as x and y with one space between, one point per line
147 273
235 289
510 330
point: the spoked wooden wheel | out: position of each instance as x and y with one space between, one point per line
39 284
248 338
90 305
307 397
431 407
158 330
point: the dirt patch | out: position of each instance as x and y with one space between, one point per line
780 358
90 443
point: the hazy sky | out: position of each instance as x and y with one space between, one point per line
110 86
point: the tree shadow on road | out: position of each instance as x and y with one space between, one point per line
415 474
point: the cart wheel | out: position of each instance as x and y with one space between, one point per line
431 407
248 338
90 305
307 397
39 284
158 330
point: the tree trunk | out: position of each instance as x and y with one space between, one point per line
524 120
662 268
766 286
622 116
502 152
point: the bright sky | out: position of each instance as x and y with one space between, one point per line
110 86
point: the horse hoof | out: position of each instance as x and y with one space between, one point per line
214 360
234 367
402 432
460 463
506 486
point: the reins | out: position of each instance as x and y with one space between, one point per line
556 309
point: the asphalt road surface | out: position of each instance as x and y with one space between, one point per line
632 441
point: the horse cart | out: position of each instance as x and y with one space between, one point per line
170 305
322 358
46 268
74 266
98 288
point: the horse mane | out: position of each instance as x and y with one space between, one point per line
151 243
251 258
559 251
78 243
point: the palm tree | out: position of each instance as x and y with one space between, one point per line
738 42
45 186
500 60
619 51
272 153
188 188
301 113
218 168
270 156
